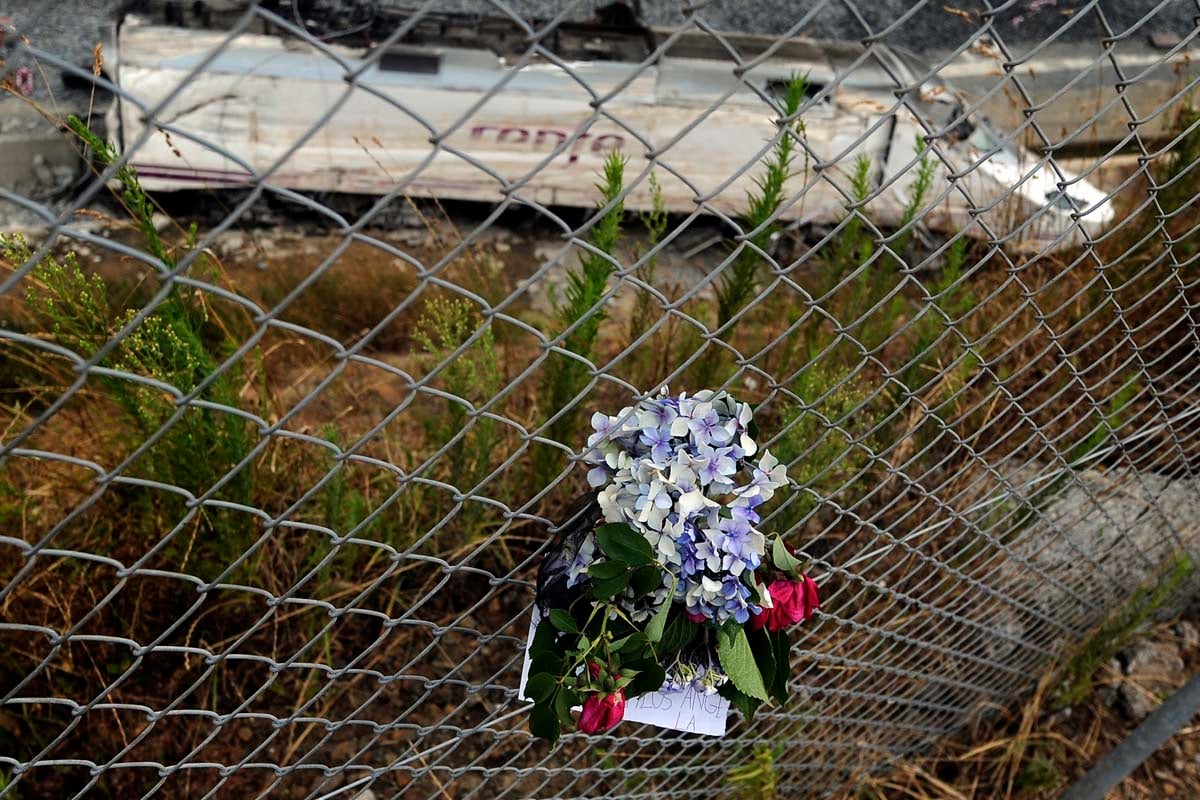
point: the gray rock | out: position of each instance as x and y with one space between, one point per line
929 29
1108 681
1108 696
1114 525
230 243
1136 701
1188 634
1152 669
70 27
1153 659
41 170
1010 629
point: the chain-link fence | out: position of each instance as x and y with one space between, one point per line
276 483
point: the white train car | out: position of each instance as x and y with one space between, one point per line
475 124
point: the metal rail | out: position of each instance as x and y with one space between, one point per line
1163 723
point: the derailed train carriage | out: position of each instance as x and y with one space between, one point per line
461 111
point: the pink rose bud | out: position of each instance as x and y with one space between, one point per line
602 713
791 602
696 618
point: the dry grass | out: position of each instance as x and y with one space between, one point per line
1034 751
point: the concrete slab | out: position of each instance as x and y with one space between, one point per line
36 158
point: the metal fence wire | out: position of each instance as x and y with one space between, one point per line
272 511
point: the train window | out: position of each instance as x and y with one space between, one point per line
404 59
778 87
985 139
962 131
1062 201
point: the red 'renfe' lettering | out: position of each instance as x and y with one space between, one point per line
548 139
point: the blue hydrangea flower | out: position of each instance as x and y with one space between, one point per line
678 469
707 427
716 466
659 442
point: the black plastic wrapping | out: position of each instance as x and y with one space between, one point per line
580 520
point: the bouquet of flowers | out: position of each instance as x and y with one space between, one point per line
661 579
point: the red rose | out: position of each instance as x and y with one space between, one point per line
602 712
791 602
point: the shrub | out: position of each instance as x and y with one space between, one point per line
473 375
952 297
580 313
757 779
852 246
823 458
740 280
175 345
655 223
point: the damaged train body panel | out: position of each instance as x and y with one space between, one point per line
470 123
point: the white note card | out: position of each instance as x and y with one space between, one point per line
678 710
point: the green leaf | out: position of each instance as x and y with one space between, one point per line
606 570
737 659
764 655
650 678
543 723
544 642
646 579
540 687
608 589
782 647
618 627
563 621
546 662
757 590
740 700
622 543
633 644
654 630
679 633
562 705
784 560
658 623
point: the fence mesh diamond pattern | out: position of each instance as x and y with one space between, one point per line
275 485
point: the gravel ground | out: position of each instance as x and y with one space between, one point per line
929 29
72 26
